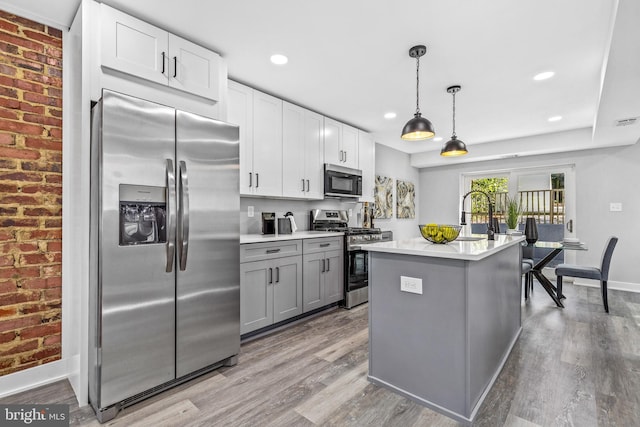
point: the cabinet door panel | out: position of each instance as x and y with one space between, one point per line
333 142
293 151
313 155
312 284
287 288
334 277
267 144
367 163
133 46
240 112
350 146
193 68
256 296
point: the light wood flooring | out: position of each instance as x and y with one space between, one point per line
571 367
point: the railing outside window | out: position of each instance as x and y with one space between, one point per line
546 206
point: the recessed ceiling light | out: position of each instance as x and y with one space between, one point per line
544 76
390 115
555 118
279 59
437 138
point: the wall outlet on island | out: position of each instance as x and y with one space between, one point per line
411 284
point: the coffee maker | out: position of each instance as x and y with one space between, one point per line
268 223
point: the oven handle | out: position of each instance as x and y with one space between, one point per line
354 248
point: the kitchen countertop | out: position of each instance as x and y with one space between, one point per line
261 238
463 250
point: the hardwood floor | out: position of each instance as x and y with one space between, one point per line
571 367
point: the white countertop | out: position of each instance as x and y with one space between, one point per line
463 250
260 238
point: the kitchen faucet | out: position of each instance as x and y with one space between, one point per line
463 219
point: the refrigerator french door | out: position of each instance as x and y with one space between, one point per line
165 293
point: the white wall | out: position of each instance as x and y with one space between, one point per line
397 165
602 176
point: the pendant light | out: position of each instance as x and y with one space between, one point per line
454 147
417 128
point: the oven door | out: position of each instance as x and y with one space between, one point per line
358 272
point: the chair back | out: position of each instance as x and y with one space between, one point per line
606 257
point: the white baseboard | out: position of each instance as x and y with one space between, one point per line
33 377
618 286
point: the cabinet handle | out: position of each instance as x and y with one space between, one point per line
323 260
270 275
328 265
250 179
302 185
175 67
341 155
163 62
257 180
307 185
345 156
324 245
277 274
273 251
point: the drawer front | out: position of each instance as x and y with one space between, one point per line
270 250
322 244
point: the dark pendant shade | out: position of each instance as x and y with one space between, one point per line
417 129
453 147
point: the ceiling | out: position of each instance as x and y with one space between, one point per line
349 60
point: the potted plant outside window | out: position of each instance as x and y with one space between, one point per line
513 210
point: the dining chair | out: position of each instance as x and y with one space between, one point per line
527 258
595 273
528 277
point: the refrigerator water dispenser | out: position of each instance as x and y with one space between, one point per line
142 215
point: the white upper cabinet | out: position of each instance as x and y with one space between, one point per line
240 112
193 68
267 145
135 47
302 150
260 119
340 144
350 146
367 163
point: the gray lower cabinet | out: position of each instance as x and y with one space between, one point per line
270 289
323 272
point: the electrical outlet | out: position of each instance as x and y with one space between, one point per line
250 211
411 284
615 207
350 212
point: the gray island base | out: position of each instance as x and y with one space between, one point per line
443 339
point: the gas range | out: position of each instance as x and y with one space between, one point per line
355 258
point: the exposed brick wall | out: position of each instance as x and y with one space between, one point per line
30 193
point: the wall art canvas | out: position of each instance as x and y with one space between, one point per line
383 197
406 199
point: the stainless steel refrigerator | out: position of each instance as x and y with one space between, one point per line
165 284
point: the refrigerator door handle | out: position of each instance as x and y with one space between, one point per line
171 217
183 216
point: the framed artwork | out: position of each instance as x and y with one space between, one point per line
406 200
383 197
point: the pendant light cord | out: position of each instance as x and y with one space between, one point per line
454 115
417 85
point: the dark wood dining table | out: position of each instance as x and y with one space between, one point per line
556 248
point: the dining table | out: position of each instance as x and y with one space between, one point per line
537 270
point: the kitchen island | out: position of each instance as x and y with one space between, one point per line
443 318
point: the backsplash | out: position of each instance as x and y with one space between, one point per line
300 208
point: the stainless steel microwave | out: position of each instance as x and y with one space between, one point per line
342 182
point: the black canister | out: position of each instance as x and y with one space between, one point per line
268 223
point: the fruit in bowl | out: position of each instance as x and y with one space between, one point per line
440 233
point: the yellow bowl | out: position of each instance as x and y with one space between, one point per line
439 233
